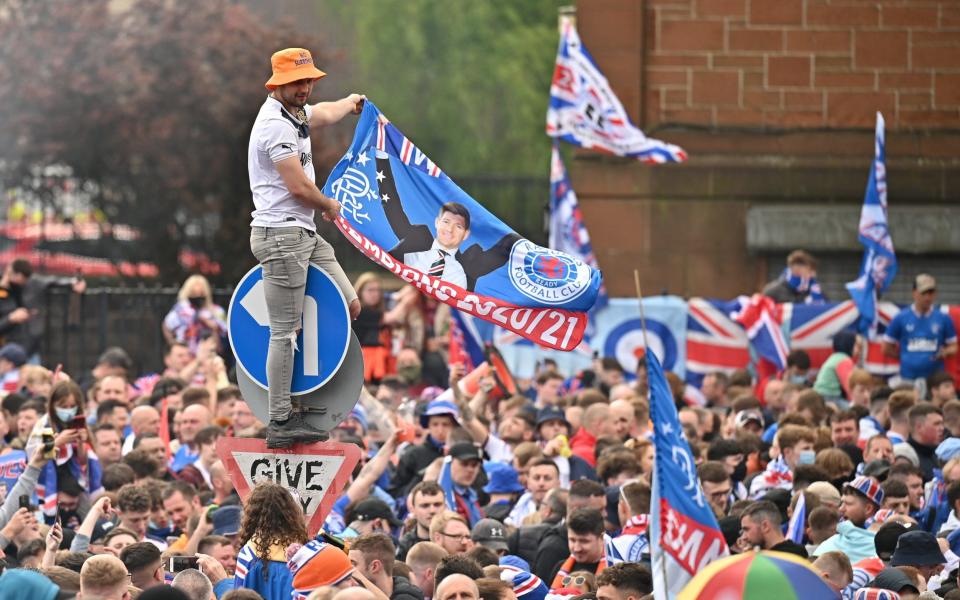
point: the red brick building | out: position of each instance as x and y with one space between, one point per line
775 101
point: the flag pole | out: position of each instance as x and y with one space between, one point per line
643 319
566 14
646 350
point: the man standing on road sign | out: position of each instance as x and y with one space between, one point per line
283 234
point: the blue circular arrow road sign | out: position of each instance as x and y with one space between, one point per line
321 345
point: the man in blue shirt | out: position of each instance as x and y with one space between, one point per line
924 335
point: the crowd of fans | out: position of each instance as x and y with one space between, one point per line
113 488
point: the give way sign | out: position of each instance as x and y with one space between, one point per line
319 473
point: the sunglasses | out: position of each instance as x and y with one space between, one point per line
578 580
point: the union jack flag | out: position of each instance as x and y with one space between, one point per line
714 341
760 316
389 137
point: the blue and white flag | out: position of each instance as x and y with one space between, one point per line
585 112
568 232
879 259
798 520
404 213
474 335
684 534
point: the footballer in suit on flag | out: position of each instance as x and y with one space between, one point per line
402 211
442 256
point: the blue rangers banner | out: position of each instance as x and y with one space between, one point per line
879 259
684 534
585 112
407 215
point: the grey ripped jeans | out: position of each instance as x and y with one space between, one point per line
285 253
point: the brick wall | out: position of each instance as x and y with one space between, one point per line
780 63
786 91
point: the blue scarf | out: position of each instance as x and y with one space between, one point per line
805 285
467 496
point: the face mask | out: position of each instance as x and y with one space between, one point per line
197 302
66 414
409 373
798 379
806 457
739 472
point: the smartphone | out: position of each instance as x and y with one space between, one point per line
78 422
48 440
182 563
25 501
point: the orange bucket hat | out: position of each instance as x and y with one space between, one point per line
292 64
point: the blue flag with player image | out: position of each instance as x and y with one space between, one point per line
403 212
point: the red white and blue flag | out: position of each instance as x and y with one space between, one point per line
684 534
568 231
760 317
879 259
715 342
585 112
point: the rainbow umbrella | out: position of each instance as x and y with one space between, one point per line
758 576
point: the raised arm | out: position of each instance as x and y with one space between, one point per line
327 113
371 472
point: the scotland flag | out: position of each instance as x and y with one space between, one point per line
879 259
585 112
684 535
404 213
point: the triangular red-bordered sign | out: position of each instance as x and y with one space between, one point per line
320 473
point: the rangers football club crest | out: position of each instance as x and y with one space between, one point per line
546 275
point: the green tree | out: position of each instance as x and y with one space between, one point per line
467 81
153 101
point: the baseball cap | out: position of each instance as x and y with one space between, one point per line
226 520
924 283
369 509
292 64
14 353
885 542
877 469
466 451
894 580
826 491
490 533
745 416
868 487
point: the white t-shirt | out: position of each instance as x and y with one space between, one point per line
275 137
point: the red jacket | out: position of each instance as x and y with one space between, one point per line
584 445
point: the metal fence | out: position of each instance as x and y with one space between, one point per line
77 328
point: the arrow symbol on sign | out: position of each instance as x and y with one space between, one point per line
255 303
